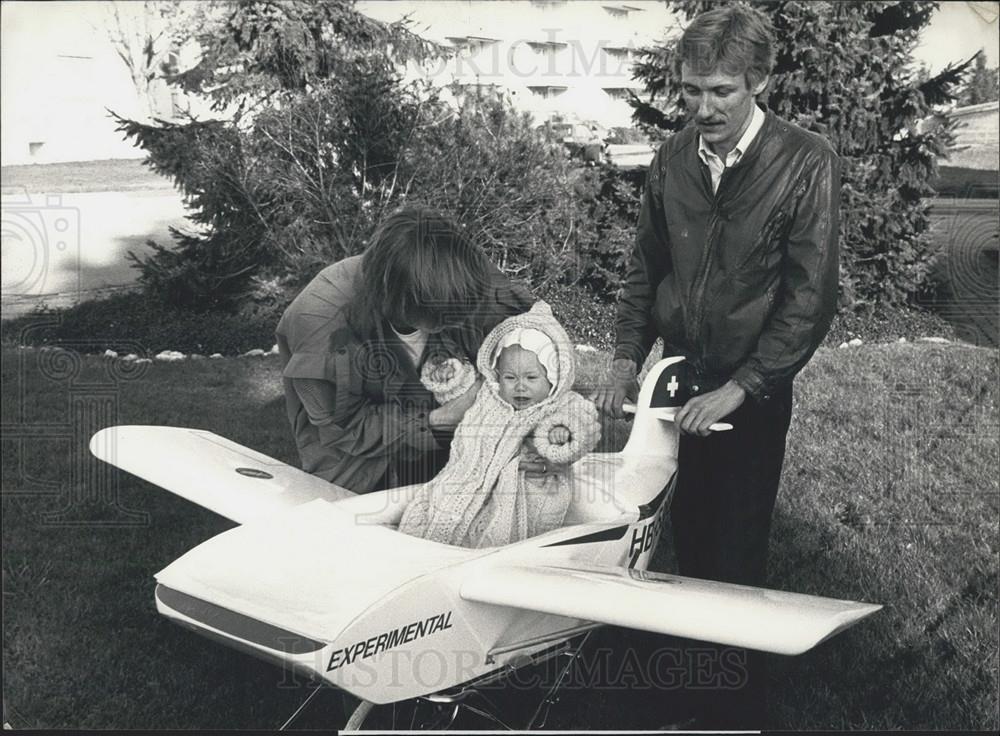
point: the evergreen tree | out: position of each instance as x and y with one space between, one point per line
318 138
845 70
983 84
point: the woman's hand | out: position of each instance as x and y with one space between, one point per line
449 415
560 435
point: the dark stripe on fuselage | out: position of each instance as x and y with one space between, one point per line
604 536
236 624
649 509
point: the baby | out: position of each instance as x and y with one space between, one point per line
507 476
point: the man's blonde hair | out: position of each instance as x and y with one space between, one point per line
735 39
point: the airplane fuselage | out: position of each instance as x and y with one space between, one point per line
395 632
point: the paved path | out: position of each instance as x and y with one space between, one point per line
61 248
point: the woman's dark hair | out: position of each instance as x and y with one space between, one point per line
419 267
735 39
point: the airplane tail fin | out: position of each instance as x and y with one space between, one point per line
659 393
664 391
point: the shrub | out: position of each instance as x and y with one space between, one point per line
612 198
497 175
327 143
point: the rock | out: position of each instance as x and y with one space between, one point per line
110 354
855 342
902 339
130 357
842 345
586 348
255 353
170 355
213 356
274 349
143 360
196 356
936 340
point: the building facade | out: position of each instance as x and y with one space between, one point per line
61 78
571 60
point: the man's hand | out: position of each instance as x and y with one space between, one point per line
621 385
701 412
447 416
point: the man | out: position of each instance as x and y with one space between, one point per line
735 266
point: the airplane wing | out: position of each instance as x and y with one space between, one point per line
736 615
239 483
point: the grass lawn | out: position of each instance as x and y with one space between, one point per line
112 175
890 495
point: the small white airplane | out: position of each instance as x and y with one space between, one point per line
316 578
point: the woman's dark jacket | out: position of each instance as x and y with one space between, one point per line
355 402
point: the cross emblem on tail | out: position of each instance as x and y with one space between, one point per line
673 386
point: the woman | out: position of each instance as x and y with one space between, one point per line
354 341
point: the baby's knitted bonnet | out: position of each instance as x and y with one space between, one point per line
558 360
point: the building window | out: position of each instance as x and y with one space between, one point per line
475 88
548 50
475 43
471 43
620 53
617 93
547 92
547 46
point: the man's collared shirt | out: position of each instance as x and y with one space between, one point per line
715 164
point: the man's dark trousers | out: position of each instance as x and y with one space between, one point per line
721 520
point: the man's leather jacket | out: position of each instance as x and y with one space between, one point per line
742 282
